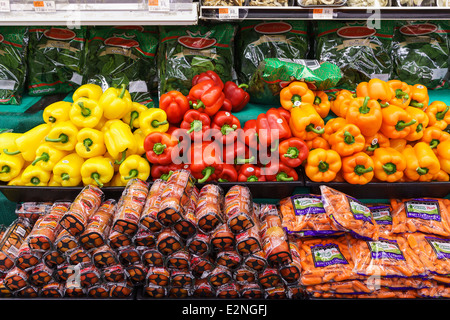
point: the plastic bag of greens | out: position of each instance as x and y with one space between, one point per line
123 55
188 51
274 74
421 53
360 50
258 40
55 60
13 66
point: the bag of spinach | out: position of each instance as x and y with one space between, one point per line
123 55
13 66
259 40
188 51
55 61
360 50
421 53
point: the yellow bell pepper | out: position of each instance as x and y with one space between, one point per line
63 136
305 122
97 171
119 139
323 165
52 182
422 163
134 166
116 181
389 164
10 166
434 136
417 129
101 123
8 143
67 172
116 103
35 176
441 176
85 113
438 113
89 90
57 111
153 120
322 103
132 117
31 140
419 96
47 156
296 94
17 181
139 137
90 143
443 154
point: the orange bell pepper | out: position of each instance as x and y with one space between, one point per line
347 140
296 94
333 125
341 96
322 103
401 93
388 164
375 89
322 165
417 129
357 168
422 163
438 114
305 122
398 144
441 176
378 140
317 142
433 136
365 113
396 122
419 96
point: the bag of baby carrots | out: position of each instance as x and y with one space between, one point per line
427 215
385 257
303 215
350 287
325 260
349 214
382 214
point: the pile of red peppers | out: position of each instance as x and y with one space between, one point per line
206 138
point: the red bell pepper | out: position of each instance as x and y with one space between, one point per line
196 123
293 152
280 172
285 113
227 124
206 97
237 95
250 173
208 75
205 161
226 105
158 147
238 153
228 174
175 104
271 127
249 134
160 171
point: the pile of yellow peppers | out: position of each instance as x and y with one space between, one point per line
96 139
384 131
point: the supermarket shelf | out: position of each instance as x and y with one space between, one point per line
336 13
73 15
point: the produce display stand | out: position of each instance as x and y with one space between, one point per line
29 113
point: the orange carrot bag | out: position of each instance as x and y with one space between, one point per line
349 214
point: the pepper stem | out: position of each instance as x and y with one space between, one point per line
133 116
310 127
10 153
222 180
43 157
400 94
65 176
5 169
35 181
383 104
296 100
422 171
198 105
85 112
360 170
226 129
441 115
87 143
373 147
122 159
389 168
159 148
156 123
252 178
323 166
240 160
419 127
122 92
196 126
416 104
364 109
434 143
349 138
166 176
51 119
317 100
243 86
132 174
292 152
283 176
63 138
402 124
207 172
96 177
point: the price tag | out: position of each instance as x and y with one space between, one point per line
44 6
5 6
159 5
229 13
323 13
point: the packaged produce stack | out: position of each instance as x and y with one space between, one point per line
351 250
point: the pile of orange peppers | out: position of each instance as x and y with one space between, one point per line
385 131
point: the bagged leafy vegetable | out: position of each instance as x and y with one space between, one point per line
123 55
13 66
421 53
188 51
360 50
55 62
258 40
